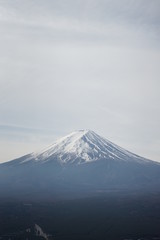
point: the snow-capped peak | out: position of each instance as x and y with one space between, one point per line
84 146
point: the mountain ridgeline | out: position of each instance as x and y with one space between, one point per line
78 165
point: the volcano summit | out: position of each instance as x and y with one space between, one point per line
79 147
79 163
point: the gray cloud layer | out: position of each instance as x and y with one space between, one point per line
68 65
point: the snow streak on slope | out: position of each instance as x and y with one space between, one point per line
83 146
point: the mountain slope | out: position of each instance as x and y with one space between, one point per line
79 147
80 164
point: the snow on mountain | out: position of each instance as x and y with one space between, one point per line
79 164
83 146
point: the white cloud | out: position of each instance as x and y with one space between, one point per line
84 64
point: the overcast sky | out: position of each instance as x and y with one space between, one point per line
79 64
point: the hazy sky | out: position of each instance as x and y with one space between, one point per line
79 64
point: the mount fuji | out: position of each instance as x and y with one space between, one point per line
79 164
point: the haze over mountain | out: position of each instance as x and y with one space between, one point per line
102 56
79 164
